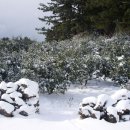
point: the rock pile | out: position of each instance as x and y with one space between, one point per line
21 97
114 108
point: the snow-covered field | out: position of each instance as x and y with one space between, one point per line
59 112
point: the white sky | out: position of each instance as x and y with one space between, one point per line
20 18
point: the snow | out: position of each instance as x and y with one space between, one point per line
6 106
116 105
102 99
59 112
123 105
15 94
30 91
121 64
12 85
128 95
89 100
32 87
7 98
10 90
39 124
120 57
110 102
3 85
121 94
29 109
126 117
25 102
33 101
19 101
87 110
113 111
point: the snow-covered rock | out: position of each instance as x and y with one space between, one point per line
15 94
112 115
125 117
101 102
7 98
128 95
19 101
114 108
85 111
21 97
26 110
3 86
123 106
91 101
28 87
10 90
88 111
12 85
110 102
120 95
6 109
33 101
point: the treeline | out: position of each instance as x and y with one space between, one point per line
56 65
70 17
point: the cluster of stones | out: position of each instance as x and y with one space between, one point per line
114 108
21 97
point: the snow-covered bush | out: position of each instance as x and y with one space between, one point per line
21 97
55 65
114 108
11 54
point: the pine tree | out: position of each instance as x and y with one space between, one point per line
71 17
62 15
112 16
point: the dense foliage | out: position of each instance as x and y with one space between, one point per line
11 56
70 17
57 64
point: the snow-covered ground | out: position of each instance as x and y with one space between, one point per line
59 112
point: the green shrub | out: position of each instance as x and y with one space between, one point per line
55 65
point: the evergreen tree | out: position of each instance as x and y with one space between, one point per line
62 15
71 17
